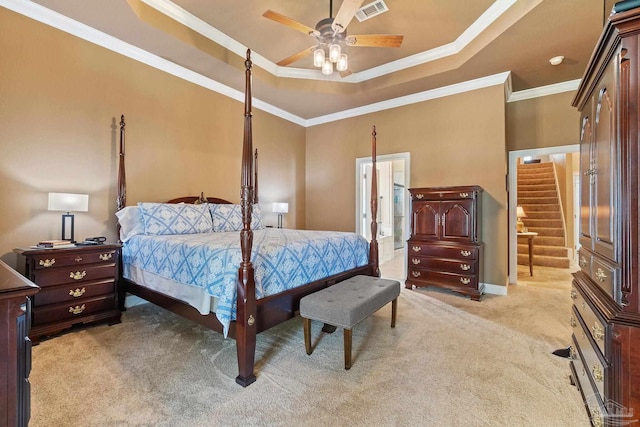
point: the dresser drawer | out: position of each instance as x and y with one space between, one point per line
607 277
74 274
442 251
584 261
74 309
53 259
437 277
445 265
596 327
593 400
594 362
72 291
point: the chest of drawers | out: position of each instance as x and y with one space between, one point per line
444 248
78 285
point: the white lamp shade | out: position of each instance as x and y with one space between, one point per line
520 212
281 207
68 202
327 68
318 57
343 63
334 52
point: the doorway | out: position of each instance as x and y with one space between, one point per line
393 172
513 192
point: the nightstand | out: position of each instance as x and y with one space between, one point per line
77 285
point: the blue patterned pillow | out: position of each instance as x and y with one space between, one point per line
168 218
228 217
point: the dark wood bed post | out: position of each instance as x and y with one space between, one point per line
255 178
121 197
246 287
373 245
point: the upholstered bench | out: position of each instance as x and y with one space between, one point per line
347 303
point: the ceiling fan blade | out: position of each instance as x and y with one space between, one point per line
297 56
281 19
375 40
345 14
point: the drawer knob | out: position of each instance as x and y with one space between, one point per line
464 195
465 252
574 294
600 275
47 262
77 275
416 248
597 372
105 257
597 332
572 322
465 280
583 262
78 259
419 196
415 261
77 309
77 293
415 273
465 267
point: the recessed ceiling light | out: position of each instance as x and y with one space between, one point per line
556 60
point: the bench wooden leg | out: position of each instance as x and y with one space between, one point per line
347 349
307 335
394 310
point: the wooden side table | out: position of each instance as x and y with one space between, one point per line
530 235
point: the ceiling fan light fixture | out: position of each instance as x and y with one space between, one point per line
334 52
327 68
318 57
343 63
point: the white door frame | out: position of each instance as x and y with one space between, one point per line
513 195
407 174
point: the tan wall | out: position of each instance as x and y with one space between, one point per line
548 121
457 140
61 103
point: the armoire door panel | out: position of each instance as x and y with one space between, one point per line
426 220
585 180
456 220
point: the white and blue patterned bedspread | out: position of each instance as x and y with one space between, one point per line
282 259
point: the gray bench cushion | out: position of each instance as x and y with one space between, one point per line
347 303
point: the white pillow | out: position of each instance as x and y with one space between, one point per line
228 217
169 218
131 223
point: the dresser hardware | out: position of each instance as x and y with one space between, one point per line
572 353
105 257
47 262
415 261
465 280
78 259
77 275
77 309
574 294
416 248
584 305
415 273
596 417
572 322
419 196
465 267
597 332
77 293
597 372
465 253
600 275
464 195
583 262
251 320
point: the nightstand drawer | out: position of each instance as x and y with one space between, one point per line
74 274
74 309
56 258
72 291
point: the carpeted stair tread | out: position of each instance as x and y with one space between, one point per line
538 196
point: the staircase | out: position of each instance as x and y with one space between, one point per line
538 196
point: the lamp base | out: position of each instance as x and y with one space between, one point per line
520 227
67 227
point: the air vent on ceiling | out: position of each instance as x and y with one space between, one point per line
370 10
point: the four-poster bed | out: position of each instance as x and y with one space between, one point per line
257 308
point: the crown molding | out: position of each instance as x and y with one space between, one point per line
82 31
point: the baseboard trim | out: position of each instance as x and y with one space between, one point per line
495 289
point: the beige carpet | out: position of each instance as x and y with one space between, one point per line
441 366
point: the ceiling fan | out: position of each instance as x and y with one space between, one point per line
331 35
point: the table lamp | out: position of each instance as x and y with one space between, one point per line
68 202
519 224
